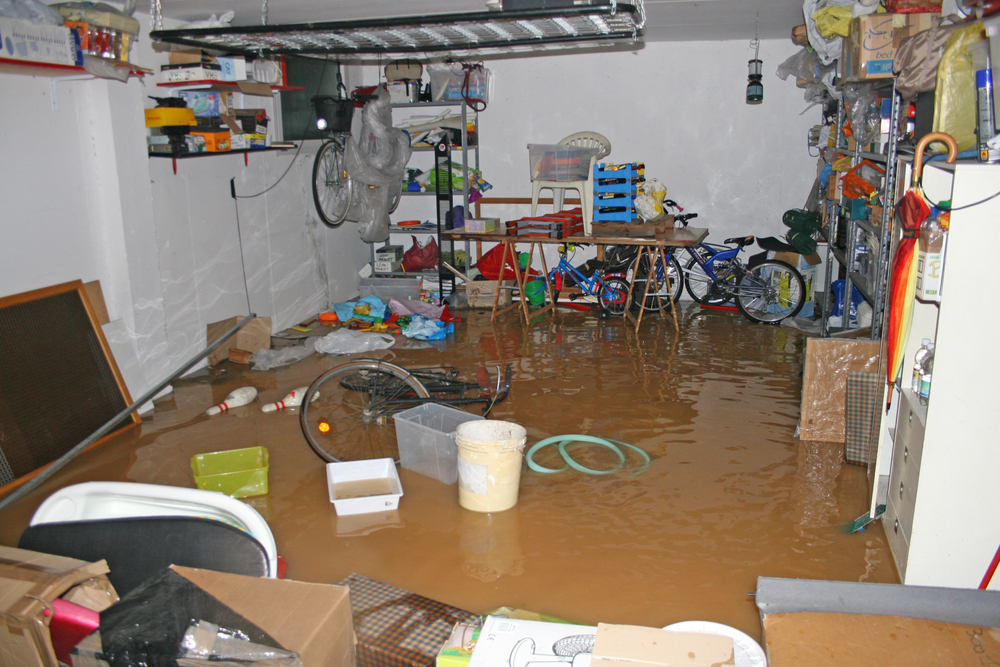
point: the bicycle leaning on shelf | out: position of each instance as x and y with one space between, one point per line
765 290
347 412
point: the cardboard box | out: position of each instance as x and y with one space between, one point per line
383 266
389 253
205 103
930 269
190 72
870 47
314 620
255 335
480 293
234 68
396 628
502 638
633 646
24 635
824 384
828 623
37 42
215 142
188 57
169 116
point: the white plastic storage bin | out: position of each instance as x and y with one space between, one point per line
426 438
391 288
360 487
555 162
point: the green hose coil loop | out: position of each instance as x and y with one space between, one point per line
562 442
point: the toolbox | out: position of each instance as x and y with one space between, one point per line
552 225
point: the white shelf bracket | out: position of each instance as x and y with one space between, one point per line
55 80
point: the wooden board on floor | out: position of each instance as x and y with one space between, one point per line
824 384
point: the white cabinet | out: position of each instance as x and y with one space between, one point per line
942 487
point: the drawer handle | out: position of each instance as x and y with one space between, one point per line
895 526
900 489
906 453
909 417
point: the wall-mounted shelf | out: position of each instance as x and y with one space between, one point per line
11 66
402 37
244 152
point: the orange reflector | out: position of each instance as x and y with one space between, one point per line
323 427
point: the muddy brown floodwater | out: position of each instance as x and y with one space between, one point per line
730 494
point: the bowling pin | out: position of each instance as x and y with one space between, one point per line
238 397
294 399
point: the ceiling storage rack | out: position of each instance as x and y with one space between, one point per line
455 34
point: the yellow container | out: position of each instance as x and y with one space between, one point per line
239 473
164 116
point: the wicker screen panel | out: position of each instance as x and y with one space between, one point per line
57 382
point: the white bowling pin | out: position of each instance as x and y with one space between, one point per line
238 397
294 399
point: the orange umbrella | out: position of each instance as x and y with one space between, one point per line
912 211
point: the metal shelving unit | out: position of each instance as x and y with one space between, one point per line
872 286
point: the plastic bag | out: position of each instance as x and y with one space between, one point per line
207 641
419 258
346 341
350 309
265 360
863 110
955 98
828 50
917 58
376 156
422 328
833 21
811 74
32 10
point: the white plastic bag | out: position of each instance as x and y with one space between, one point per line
346 341
265 360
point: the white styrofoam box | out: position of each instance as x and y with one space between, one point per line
37 42
390 288
191 73
348 482
482 225
425 435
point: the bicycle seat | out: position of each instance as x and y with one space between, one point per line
741 241
777 245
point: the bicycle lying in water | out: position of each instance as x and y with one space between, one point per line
347 412
765 290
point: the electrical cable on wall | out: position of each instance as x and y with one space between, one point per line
239 236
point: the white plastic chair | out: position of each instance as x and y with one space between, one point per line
585 188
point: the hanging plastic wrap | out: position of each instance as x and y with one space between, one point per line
376 158
828 50
955 97
864 111
810 74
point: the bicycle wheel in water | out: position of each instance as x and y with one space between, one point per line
659 286
770 292
702 289
351 420
614 294
332 187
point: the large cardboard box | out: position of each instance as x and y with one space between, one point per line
870 48
255 335
27 581
833 623
634 646
314 620
480 293
38 42
824 384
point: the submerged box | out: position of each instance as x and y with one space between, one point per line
480 293
239 473
397 628
425 435
253 336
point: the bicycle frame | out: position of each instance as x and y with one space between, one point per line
593 286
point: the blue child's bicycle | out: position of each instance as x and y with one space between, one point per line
609 290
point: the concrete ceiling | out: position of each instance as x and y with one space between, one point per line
666 20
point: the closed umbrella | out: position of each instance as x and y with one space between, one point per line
911 211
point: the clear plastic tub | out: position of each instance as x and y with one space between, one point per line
426 438
556 162
390 288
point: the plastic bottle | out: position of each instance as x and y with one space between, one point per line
925 379
984 101
922 364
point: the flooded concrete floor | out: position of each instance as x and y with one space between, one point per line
730 495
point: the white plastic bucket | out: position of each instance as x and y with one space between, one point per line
489 464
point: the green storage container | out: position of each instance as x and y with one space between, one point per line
239 473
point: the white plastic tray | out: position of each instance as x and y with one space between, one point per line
122 500
747 652
378 471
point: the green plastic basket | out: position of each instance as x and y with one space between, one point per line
239 473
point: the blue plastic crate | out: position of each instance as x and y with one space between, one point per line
615 216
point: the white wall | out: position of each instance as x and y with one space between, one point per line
82 200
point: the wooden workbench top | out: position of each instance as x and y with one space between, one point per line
687 236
